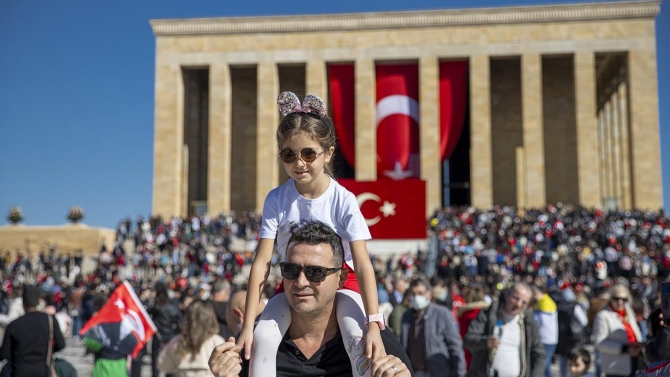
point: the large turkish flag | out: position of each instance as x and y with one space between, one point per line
392 209
397 121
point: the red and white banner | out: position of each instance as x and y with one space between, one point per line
392 209
453 100
397 121
122 325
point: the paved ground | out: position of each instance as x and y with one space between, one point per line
75 354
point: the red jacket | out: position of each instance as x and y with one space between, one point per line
466 314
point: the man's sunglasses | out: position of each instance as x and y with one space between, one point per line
308 155
315 274
624 299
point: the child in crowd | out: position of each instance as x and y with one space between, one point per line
579 363
306 139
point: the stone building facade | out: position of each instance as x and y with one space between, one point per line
562 100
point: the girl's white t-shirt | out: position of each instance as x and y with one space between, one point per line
336 207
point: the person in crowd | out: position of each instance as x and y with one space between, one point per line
616 334
15 308
474 303
395 318
26 342
306 139
504 338
430 335
572 328
220 296
596 304
313 344
579 363
399 288
168 320
187 354
546 316
235 312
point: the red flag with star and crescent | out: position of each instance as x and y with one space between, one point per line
392 209
122 326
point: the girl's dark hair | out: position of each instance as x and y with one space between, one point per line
580 353
320 128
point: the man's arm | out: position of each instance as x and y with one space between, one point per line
58 335
476 337
452 337
537 354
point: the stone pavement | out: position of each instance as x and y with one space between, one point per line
75 354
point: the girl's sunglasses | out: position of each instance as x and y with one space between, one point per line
315 274
308 155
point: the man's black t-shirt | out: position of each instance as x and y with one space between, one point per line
330 360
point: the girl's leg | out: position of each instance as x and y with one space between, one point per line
273 324
351 318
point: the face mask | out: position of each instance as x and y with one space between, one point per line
418 302
443 295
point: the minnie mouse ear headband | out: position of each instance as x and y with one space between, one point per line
289 103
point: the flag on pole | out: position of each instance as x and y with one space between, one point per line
122 326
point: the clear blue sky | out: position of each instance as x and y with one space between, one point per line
77 97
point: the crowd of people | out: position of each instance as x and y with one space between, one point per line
591 264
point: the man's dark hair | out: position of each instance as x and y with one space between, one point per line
314 232
31 296
580 353
419 281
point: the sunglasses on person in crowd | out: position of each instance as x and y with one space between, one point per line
315 274
624 299
308 155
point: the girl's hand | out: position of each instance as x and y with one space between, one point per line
245 341
374 347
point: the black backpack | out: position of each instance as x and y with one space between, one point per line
571 333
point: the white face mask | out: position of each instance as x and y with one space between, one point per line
418 302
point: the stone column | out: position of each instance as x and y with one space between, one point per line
316 82
520 178
220 136
533 133
366 125
587 129
267 168
429 101
602 156
169 139
644 129
616 147
625 143
609 166
481 163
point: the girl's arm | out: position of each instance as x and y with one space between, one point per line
365 275
260 269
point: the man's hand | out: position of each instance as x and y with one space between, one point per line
635 348
493 342
374 347
225 360
387 366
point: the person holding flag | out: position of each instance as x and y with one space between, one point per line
119 328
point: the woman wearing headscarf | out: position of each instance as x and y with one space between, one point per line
617 335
